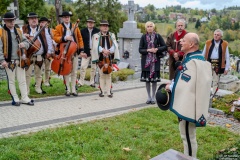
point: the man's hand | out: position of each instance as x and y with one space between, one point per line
69 38
5 64
21 45
83 55
167 88
175 56
26 35
105 52
225 72
48 55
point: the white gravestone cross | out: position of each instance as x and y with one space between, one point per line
12 8
131 9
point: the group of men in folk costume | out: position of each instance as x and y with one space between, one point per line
93 50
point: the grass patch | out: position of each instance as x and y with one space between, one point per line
147 133
57 89
224 103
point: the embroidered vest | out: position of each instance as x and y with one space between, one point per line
27 30
4 38
223 45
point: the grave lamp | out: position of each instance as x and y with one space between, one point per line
126 55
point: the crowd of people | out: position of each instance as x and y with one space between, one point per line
191 71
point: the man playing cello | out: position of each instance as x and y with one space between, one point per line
62 34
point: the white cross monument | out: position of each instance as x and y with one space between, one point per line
12 9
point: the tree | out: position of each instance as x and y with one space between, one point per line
198 24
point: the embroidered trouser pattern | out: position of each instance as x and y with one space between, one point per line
188 135
215 81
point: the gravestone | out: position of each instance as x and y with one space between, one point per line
14 9
129 38
229 82
172 154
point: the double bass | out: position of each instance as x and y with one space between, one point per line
62 63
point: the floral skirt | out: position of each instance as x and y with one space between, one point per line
145 77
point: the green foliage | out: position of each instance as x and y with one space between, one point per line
144 132
141 26
122 74
101 10
57 89
225 103
169 30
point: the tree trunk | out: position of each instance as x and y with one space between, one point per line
16 11
58 6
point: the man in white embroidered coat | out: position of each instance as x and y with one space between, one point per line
104 46
191 92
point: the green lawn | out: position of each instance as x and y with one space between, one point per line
146 133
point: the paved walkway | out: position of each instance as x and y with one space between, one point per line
62 110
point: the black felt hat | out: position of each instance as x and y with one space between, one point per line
163 97
66 13
8 16
90 19
44 19
104 22
31 15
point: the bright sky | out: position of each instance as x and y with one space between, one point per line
200 4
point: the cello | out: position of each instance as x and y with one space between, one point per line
62 63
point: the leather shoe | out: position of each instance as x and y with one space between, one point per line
110 96
148 102
29 103
152 102
16 104
67 94
101 95
75 94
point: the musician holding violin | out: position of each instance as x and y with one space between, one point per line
69 39
104 53
40 46
12 46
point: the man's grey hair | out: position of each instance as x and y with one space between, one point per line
181 20
219 30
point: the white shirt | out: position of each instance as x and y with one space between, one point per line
68 32
215 54
112 49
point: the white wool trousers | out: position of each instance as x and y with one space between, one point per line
20 74
188 135
105 82
84 65
73 76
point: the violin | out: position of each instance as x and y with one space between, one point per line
107 65
34 47
62 63
22 52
